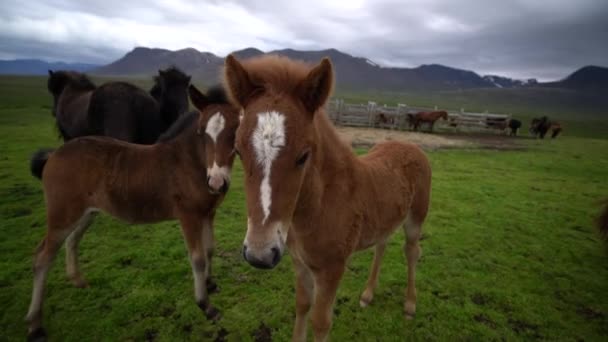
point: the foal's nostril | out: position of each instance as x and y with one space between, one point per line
276 255
224 188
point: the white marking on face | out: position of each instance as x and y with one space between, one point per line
218 175
268 138
215 125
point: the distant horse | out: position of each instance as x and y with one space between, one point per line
384 119
429 118
540 126
514 126
170 90
184 177
306 189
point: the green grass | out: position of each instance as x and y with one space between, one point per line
509 252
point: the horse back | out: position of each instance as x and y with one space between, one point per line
126 112
397 178
125 180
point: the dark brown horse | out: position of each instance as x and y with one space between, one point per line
183 177
540 126
170 90
307 190
115 109
428 118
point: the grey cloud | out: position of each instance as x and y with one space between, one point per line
519 38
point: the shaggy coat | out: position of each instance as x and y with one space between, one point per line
184 176
307 190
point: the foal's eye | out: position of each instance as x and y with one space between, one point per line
303 158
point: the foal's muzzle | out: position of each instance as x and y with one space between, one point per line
217 185
266 260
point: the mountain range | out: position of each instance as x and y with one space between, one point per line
40 67
356 73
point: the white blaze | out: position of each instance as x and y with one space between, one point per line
215 125
268 139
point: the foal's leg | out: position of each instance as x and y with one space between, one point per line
71 249
412 251
59 225
326 284
304 293
372 280
209 243
192 228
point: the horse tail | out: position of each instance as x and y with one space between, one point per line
38 161
602 222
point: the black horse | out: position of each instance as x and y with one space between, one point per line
116 109
514 126
540 126
170 90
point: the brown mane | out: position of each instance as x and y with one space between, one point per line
275 74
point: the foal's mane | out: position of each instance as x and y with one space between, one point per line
276 74
214 95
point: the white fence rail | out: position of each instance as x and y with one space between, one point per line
396 117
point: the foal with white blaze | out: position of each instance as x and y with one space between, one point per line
184 176
306 189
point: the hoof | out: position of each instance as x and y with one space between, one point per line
212 287
38 335
79 282
213 314
366 298
410 317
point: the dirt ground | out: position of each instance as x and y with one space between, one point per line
367 137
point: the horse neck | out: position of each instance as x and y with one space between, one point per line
334 160
188 146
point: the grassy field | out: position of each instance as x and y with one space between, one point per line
509 252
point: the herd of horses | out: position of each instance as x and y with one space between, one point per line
142 157
538 126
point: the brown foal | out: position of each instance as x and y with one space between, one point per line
307 190
184 176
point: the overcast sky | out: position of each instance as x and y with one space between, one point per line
546 39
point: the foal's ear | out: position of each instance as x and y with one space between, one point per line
199 100
317 86
50 72
237 82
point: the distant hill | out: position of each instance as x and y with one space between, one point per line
351 72
356 73
39 67
588 77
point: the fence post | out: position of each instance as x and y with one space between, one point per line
371 105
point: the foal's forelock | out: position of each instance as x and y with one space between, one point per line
268 139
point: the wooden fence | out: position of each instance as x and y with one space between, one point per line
395 117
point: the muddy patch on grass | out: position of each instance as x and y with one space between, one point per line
524 328
262 334
221 335
485 320
367 137
590 313
480 299
150 334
